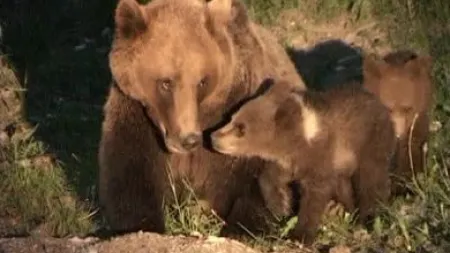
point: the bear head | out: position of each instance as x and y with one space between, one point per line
177 59
402 82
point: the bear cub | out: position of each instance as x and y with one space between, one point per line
403 81
336 144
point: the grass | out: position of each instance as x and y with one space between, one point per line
267 11
36 193
65 75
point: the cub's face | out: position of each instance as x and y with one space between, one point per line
261 127
168 56
402 86
250 131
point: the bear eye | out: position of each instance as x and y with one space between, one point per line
203 82
240 129
165 84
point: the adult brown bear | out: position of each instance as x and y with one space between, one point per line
178 66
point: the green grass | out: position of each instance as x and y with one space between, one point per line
267 11
322 10
38 194
65 92
188 215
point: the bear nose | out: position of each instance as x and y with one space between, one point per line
191 141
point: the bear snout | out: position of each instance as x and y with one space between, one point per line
215 142
222 142
191 141
183 144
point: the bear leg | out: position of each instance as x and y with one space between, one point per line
315 197
131 168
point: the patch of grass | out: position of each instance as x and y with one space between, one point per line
322 10
35 192
266 11
189 215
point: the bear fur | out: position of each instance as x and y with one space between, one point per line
178 66
402 80
330 143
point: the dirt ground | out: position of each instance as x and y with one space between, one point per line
137 243
132 243
300 31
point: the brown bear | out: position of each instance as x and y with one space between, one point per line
402 80
331 143
178 66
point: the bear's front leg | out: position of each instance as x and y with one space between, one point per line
248 211
131 176
315 197
345 194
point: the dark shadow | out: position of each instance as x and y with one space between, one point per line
59 50
328 63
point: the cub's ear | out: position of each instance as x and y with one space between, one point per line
130 19
227 11
420 66
278 90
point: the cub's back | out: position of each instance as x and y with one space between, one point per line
355 114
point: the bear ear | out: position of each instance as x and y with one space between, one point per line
129 18
278 89
420 66
221 10
239 13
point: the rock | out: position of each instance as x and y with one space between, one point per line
131 243
37 245
340 249
155 243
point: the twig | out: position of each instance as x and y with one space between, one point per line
410 144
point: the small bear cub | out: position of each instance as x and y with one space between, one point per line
336 144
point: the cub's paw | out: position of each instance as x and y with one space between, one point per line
302 235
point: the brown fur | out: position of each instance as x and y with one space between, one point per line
330 143
403 82
178 66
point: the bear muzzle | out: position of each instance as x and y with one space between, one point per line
183 144
222 143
